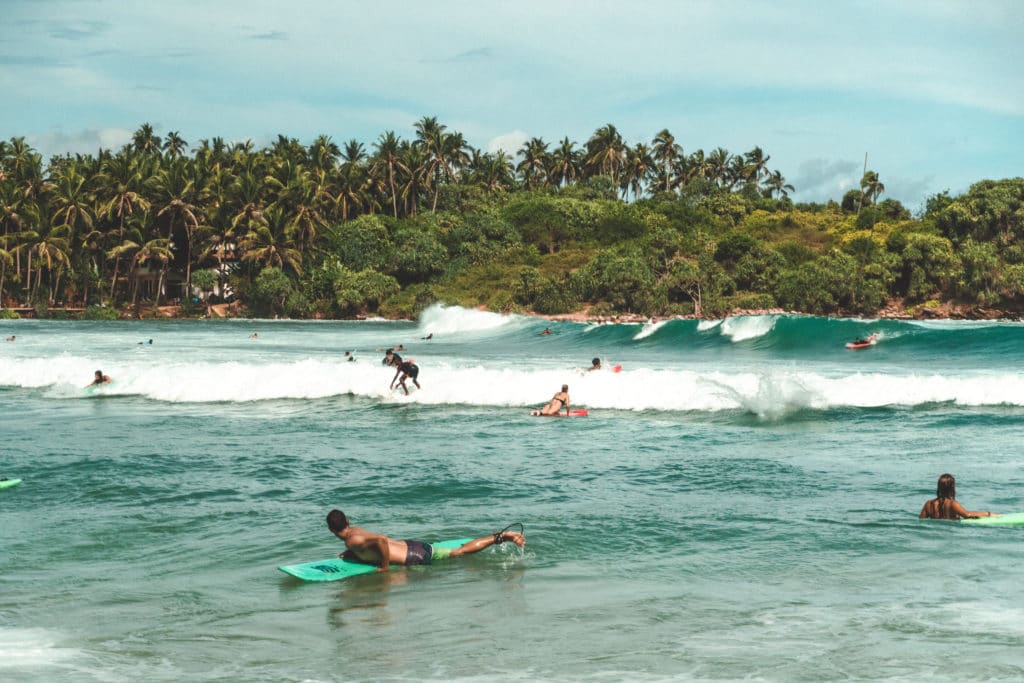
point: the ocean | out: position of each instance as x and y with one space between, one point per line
740 503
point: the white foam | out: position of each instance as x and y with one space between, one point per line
648 329
30 649
770 392
441 319
705 325
745 327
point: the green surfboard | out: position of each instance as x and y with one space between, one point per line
336 568
1012 519
9 483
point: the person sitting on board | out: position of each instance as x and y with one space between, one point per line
558 401
407 369
945 505
594 365
100 378
370 548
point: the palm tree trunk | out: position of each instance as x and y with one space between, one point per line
391 181
160 286
113 281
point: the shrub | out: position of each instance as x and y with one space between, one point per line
99 313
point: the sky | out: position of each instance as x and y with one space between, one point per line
932 91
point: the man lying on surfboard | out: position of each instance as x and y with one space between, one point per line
370 548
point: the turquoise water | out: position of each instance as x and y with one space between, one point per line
741 502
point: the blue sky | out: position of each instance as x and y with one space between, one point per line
932 91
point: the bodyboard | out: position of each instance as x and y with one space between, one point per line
9 483
336 568
1012 519
573 412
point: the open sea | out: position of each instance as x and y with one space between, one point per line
741 502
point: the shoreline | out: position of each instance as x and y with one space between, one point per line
894 310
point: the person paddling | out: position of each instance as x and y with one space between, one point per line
945 505
99 378
373 548
558 401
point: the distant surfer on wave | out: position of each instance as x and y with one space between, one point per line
557 402
99 378
370 548
945 506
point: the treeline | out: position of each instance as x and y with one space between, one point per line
330 231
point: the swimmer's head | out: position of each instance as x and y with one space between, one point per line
337 521
946 487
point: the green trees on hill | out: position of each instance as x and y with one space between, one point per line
345 230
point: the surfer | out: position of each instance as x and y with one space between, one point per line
547 330
428 337
858 341
391 358
254 336
370 548
146 343
594 365
100 378
945 505
11 338
349 356
407 369
557 402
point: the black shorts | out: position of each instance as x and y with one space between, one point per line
418 552
412 371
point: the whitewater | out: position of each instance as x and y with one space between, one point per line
741 501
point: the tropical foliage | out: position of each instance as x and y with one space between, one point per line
344 230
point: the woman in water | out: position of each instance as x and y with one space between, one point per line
945 506
558 401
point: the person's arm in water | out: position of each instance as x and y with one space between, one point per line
398 372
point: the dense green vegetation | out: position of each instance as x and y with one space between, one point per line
339 232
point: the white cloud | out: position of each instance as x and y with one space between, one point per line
510 143
87 141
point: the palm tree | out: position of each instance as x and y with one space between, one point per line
270 244
52 249
178 200
756 164
324 153
639 165
667 152
388 156
6 259
120 186
174 145
718 166
606 153
145 141
533 167
159 250
872 187
777 184
565 163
